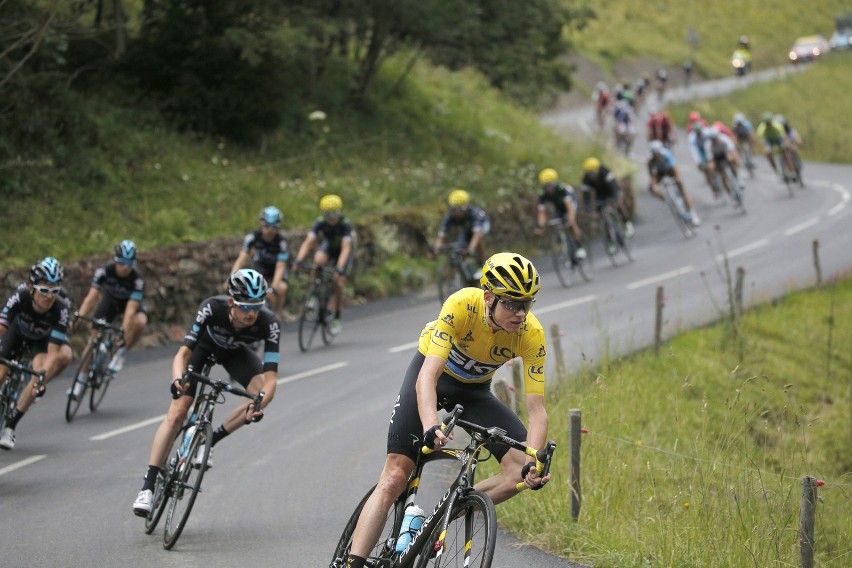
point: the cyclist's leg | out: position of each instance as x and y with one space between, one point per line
770 155
687 201
244 367
404 428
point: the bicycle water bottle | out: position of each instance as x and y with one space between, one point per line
184 446
411 523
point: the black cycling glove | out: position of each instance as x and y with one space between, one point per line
429 436
525 470
176 390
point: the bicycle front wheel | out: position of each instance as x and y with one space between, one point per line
678 211
186 485
100 381
561 258
470 537
384 549
161 499
585 266
73 403
309 321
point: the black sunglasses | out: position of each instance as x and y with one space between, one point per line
516 306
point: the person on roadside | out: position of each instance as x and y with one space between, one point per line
477 331
662 163
600 187
266 250
334 235
117 290
35 321
564 202
225 327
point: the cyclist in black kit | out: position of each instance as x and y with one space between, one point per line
335 235
267 251
225 327
471 222
564 202
600 180
117 290
35 317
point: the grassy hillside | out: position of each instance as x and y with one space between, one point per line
696 458
660 30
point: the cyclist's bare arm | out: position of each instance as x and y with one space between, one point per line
427 395
89 302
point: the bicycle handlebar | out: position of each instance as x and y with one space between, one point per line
543 457
219 386
12 364
100 323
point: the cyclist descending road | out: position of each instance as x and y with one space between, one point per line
38 317
476 332
225 327
564 202
662 163
469 222
599 186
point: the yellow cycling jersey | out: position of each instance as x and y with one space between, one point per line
474 351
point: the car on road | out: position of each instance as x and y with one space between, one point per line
808 48
841 39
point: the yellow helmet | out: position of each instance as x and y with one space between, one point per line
547 175
510 274
591 164
330 203
458 198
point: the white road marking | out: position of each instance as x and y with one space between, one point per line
743 249
553 308
661 277
22 463
801 226
281 381
844 199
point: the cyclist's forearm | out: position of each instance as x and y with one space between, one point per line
180 361
426 388
538 422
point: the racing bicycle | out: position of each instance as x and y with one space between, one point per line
316 316
19 375
614 234
563 252
674 201
726 182
94 366
461 529
456 271
179 483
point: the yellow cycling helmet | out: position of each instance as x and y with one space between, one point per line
511 275
330 203
591 164
547 175
458 198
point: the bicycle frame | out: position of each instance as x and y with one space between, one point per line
16 380
320 290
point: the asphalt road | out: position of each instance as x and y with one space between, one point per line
282 489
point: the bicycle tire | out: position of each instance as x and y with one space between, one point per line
734 186
327 336
610 238
185 486
678 210
384 549
309 321
448 281
748 160
162 495
100 380
7 402
561 255
470 537
787 175
73 403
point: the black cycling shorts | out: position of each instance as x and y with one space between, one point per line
109 308
14 345
242 364
405 431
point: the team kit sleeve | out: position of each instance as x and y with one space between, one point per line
98 278
59 331
533 356
271 349
138 289
205 311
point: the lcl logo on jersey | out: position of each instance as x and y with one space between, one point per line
501 353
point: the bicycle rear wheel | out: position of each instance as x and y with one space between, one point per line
561 257
585 266
73 403
161 499
470 537
678 211
185 487
309 321
448 281
384 549
734 187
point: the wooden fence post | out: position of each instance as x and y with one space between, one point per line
658 322
816 263
557 349
738 290
501 391
806 522
574 471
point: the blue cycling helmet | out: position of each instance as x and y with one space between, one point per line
47 270
247 285
125 252
271 216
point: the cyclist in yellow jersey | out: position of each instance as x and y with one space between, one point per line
477 331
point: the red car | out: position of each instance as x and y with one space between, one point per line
808 48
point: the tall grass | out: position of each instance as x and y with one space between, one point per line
659 29
695 458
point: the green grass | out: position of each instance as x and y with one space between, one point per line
696 458
659 29
813 101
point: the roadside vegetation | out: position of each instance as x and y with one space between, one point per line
696 457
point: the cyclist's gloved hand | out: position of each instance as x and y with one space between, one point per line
176 390
252 416
526 470
430 436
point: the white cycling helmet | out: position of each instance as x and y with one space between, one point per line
739 118
655 146
710 132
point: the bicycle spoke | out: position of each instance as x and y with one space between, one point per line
186 486
470 537
72 405
384 548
